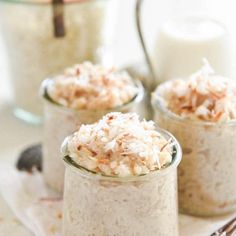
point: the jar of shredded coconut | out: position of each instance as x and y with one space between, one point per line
82 95
42 37
120 179
200 111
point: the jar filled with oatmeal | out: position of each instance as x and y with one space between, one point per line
120 179
201 111
82 95
46 36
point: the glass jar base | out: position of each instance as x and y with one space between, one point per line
27 117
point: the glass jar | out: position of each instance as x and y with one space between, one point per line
60 121
186 31
101 205
42 39
207 173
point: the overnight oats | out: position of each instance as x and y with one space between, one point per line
200 111
82 95
35 51
120 179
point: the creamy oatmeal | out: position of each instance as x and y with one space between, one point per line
200 111
120 179
82 95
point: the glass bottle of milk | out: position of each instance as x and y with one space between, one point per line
186 31
183 42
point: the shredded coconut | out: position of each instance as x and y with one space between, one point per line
204 96
88 86
120 145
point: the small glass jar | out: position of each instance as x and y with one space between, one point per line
207 173
35 50
60 121
95 204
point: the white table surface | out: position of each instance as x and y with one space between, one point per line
15 134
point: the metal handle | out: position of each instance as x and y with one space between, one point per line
151 82
229 229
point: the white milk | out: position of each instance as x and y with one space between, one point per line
182 43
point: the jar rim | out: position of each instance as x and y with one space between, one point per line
135 100
46 3
157 102
176 158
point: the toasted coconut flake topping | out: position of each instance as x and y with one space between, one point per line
204 96
120 145
87 86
